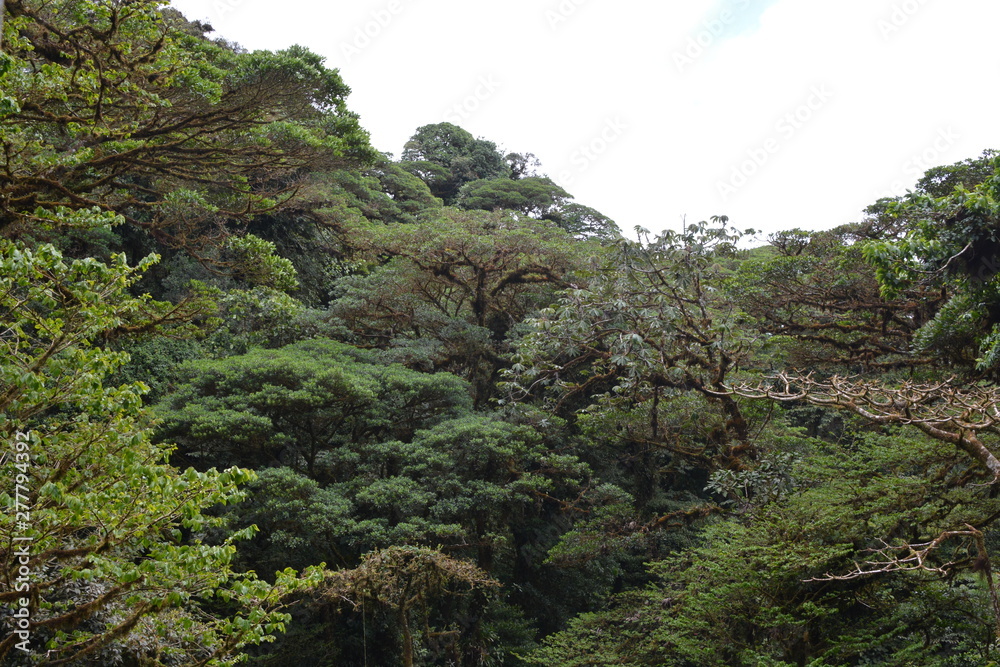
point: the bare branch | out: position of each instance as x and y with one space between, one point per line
904 558
942 410
917 558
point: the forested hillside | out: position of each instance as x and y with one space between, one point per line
270 395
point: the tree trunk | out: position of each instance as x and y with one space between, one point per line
404 622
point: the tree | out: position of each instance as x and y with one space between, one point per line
385 193
383 456
466 482
522 165
407 191
649 328
790 243
952 246
943 180
457 283
445 156
306 406
405 580
300 522
752 589
584 222
310 230
820 302
634 361
531 196
102 552
960 416
539 198
391 452
125 106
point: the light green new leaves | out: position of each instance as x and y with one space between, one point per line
115 564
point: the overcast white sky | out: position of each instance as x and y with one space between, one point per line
777 113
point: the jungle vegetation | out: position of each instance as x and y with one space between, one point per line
270 395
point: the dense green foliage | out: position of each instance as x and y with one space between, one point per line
268 395
97 516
